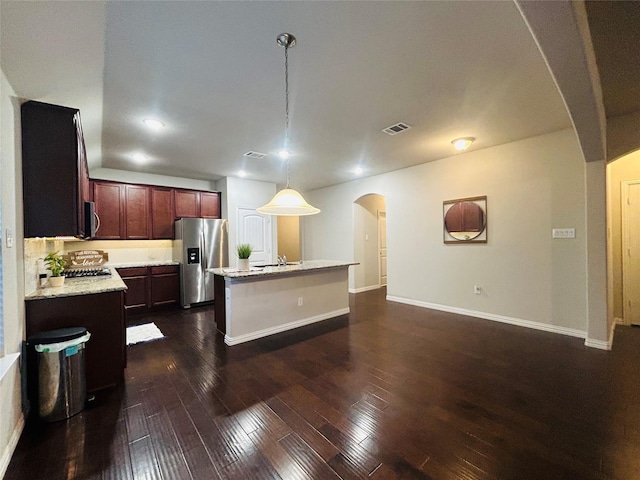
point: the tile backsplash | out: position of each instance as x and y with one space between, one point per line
122 252
35 249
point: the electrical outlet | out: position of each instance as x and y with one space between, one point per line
300 301
477 290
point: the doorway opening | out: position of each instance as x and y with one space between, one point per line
370 242
623 238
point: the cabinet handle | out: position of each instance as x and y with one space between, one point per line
98 222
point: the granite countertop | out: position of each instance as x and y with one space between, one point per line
149 263
305 266
80 286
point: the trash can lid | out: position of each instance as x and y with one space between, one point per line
57 336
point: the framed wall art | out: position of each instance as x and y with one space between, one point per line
465 220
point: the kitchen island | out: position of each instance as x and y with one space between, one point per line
272 299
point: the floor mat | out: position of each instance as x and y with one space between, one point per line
143 333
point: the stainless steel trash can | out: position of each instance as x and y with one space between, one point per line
60 370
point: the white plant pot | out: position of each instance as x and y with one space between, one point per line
243 264
56 281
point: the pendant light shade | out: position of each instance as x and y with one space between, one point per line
287 202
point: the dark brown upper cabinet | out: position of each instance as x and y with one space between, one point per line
137 212
162 215
187 203
54 171
142 212
209 205
196 204
123 210
109 207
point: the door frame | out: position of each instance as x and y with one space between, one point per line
380 249
625 212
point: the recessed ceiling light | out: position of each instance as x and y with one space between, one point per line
358 170
242 174
153 123
284 154
462 143
139 157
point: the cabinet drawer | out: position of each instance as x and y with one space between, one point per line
163 269
132 272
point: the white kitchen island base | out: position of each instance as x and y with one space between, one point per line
275 299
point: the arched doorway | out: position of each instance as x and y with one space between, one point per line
370 242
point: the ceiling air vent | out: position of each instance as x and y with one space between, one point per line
252 154
397 128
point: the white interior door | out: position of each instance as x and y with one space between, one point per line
382 246
255 229
631 251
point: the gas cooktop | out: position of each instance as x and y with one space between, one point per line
87 272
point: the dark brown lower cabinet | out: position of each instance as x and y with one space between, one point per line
136 298
102 314
165 286
151 288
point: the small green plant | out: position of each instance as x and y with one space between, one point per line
55 263
244 251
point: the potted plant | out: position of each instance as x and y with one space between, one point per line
243 251
56 264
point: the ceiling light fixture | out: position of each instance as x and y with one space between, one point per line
242 174
139 157
287 202
462 143
358 171
153 123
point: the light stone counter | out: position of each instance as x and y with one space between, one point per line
257 273
81 286
269 300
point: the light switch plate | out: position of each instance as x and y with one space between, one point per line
563 233
9 238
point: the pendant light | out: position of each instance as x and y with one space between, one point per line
287 202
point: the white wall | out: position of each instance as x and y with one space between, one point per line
528 278
238 192
11 419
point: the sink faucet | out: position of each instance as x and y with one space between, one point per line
282 260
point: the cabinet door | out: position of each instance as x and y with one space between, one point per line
165 286
136 298
103 316
109 202
187 203
162 213
209 205
137 223
50 168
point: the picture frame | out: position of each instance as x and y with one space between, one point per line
464 220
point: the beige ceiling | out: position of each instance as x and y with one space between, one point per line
214 74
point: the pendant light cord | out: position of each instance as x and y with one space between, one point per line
286 106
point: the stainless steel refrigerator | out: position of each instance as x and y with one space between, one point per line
199 244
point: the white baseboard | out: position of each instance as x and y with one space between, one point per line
490 316
364 289
282 328
11 446
601 344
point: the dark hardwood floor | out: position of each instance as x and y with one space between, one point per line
391 391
